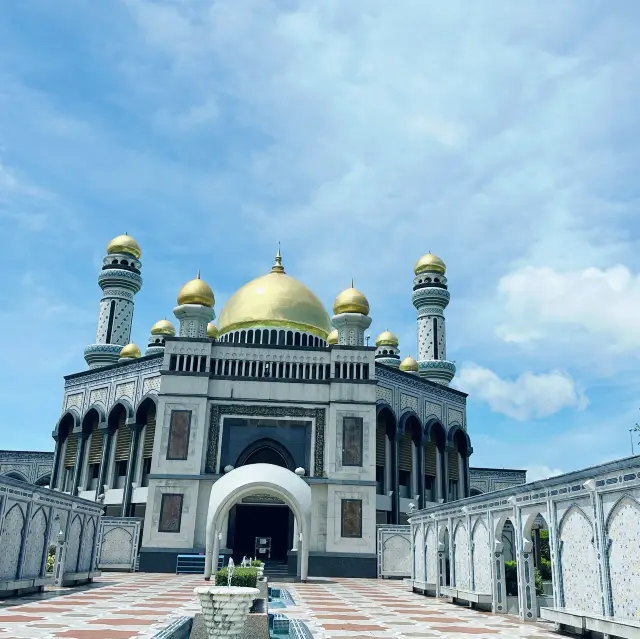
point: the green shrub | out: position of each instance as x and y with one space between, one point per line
244 577
51 558
511 578
545 551
256 563
545 569
539 588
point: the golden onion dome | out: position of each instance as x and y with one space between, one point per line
130 351
124 244
332 338
387 338
163 327
351 300
277 300
430 262
409 365
196 291
212 331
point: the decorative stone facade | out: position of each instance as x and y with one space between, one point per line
30 519
593 518
486 480
31 467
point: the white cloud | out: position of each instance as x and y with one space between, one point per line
534 473
529 396
602 305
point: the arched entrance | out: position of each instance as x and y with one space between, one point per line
262 516
258 479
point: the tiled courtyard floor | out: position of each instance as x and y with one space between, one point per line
123 606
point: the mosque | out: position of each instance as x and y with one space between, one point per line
303 435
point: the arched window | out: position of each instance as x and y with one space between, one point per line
289 338
304 339
243 337
297 339
250 336
281 338
273 338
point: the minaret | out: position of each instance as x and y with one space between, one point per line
161 329
351 317
387 351
195 308
431 297
119 280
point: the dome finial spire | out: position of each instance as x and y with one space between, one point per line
277 263
198 274
352 283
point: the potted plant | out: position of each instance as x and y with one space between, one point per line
226 605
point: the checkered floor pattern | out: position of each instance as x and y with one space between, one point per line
124 606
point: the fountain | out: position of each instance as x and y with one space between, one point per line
225 608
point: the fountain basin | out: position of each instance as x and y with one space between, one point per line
225 609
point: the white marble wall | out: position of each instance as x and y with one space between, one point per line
394 551
593 517
30 520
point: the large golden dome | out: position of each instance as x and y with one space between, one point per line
275 299
124 244
430 262
351 300
196 292
212 331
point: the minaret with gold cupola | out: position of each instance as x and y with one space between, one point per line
195 308
119 280
351 317
431 297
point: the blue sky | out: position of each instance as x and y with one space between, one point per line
502 136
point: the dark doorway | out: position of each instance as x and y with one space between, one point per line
261 521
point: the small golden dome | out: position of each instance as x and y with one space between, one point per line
430 262
409 365
124 244
212 331
130 351
196 291
351 300
163 327
387 338
332 338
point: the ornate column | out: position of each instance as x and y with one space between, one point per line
77 472
57 456
445 463
524 565
136 429
498 583
107 441
395 499
602 544
421 481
